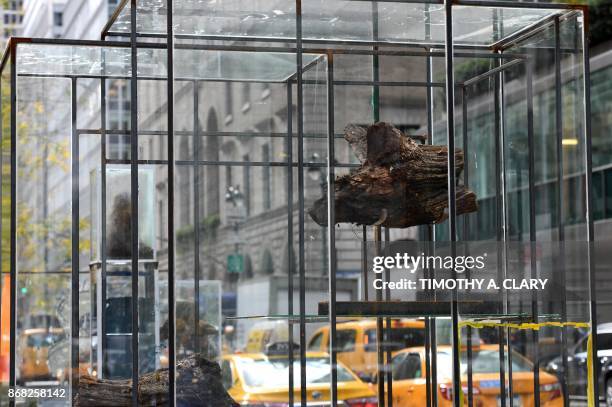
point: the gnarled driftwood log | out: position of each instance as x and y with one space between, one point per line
198 384
400 183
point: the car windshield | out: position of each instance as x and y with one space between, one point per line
604 341
43 339
483 361
398 338
275 372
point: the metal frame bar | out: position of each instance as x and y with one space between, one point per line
290 252
379 328
588 158
559 214
301 217
74 292
532 225
134 205
500 221
2 136
498 69
197 149
381 332
309 41
171 227
430 323
518 35
452 199
103 132
13 232
331 230
485 53
466 229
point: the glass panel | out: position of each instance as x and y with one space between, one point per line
327 20
237 66
231 212
44 230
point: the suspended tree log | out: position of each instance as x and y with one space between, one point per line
400 183
198 384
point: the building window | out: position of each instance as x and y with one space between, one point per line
211 153
265 92
228 176
266 177
162 225
118 114
246 97
229 103
185 187
58 18
246 180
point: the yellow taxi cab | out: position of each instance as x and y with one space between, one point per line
262 379
34 350
408 367
356 341
264 333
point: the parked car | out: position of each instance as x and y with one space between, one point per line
409 383
576 378
34 353
262 379
356 342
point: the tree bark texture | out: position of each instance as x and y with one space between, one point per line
198 384
400 183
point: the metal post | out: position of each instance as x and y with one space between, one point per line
502 226
300 140
532 226
589 203
103 340
331 230
134 199
290 271
387 335
379 329
560 225
464 125
452 199
377 229
196 214
171 237
74 323
2 136
13 231
364 261
431 370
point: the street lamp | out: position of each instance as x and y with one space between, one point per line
233 195
236 215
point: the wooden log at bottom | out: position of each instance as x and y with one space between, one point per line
198 384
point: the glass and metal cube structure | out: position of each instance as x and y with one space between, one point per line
157 188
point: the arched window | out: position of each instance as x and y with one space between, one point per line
267 263
247 272
184 183
211 153
289 259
